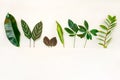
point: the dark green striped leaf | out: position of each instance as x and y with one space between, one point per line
26 29
11 30
37 31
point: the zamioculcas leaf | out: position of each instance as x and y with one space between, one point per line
60 33
106 30
26 29
50 42
37 31
11 30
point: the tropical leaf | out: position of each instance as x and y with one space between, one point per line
86 24
69 31
73 25
26 29
82 29
106 30
60 33
94 32
37 31
11 30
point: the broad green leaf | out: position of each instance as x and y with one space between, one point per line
37 31
69 31
11 30
86 24
81 35
82 29
26 29
89 36
94 32
73 26
103 27
60 33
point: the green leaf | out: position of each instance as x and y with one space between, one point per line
82 29
11 30
101 36
37 31
101 44
60 33
103 27
81 35
102 32
108 41
86 24
89 36
100 39
72 25
94 32
26 29
72 35
69 31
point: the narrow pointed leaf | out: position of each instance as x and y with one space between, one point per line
82 29
69 31
26 29
37 31
81 35
89 36
60 32
11 30
86 24
101 44
103 27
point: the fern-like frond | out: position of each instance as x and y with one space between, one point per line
104 35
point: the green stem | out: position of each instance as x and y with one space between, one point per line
74 41
85 43
30 43
33 43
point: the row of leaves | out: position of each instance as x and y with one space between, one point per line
74 30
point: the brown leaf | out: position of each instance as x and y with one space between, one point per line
53 41
46 41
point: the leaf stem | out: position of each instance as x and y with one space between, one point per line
33 43
30 43
85 43
74 41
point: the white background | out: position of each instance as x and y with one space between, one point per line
42 63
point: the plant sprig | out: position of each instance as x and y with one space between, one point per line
106 30
72 30
86 33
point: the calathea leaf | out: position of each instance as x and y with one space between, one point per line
11 30
26 29
37 31
60 33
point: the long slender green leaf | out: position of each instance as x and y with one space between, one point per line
11 30
60 33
